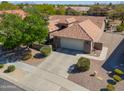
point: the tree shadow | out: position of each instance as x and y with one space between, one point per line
39 56
73 69
104 89
12 56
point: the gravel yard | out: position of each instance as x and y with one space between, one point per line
113 42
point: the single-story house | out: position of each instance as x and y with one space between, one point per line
76 32
79 8
18 12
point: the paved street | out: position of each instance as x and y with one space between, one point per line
40 79
8 86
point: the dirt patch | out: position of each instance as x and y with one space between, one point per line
36 59
13 56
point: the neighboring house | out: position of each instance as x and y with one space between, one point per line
76 32
79 8
19 12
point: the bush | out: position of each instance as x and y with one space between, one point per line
118 71
83 64
46 50
27 55
10 68
110 87
117 78
120 28
1 66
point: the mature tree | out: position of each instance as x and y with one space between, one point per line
35 11
60 10
98 10
14 31
7 6
35 30
10 30
120 13
72 12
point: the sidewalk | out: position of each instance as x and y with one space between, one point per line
101 57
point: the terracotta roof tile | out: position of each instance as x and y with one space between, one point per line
78 8
85 27
91 29
74 31
62 19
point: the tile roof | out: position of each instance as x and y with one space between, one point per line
91 29
18 12
62 19
70 20
79 8
85 27
74 31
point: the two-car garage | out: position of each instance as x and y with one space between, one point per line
72 44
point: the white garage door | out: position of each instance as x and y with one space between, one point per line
71 43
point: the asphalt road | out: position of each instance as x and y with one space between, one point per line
8 86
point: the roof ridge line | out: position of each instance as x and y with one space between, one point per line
84 31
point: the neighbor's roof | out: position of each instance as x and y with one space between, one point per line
18 12
84 27
79 8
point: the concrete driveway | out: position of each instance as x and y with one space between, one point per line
60 61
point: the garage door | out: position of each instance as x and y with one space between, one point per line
71 43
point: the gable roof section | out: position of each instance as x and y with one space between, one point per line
74 31
91 29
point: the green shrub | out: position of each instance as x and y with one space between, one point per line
117 78
120 28
27 55
110 87
46 50
10 68
1 66
118 71
83 64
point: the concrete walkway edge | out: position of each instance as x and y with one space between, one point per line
101 57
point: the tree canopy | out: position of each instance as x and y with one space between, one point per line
4 5
14 31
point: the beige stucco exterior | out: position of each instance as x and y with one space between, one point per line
69 43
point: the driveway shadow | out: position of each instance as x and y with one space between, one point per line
69 51
116 58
